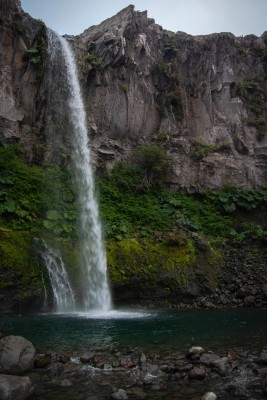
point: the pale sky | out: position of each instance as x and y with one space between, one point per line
197 17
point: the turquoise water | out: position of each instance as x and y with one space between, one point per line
213 329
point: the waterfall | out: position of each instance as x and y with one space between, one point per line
45 292
94 288
62 291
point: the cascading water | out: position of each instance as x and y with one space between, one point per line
95 290
62 291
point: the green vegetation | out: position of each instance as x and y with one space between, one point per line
163 68
93 59
259 123
34 198
36 56
175 101
133 200
153 163
200 150
18 262
130 258
123 86
247 86
152 234
254 92
132 210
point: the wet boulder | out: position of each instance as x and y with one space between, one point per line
15 387
16 355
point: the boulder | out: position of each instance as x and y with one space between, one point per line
15 387
16 355
197 373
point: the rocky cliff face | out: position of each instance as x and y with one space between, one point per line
22 45
201 98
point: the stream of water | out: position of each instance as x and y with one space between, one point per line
94 285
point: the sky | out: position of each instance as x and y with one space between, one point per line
196 17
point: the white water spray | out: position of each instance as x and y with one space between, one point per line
62 291
95 290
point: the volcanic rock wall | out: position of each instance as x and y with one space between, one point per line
202 98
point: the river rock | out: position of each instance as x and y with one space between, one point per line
86 358
127 362
195 352
142 359
223 366
209 396
121 394
42 361
197 373
208 358
15 387
16 355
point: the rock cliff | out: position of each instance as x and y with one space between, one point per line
202 98
21 72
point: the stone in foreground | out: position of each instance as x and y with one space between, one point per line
15 387
16 355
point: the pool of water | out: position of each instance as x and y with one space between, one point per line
213 329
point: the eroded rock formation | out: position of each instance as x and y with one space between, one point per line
202 98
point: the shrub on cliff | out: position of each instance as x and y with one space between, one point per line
154 164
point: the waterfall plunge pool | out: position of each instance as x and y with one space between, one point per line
150 331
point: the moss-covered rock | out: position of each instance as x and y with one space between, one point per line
131 258
22 278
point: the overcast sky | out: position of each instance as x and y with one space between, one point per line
196 17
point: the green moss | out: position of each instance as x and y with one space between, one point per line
200 150
18 265
131 259
214 262
70 252
123 87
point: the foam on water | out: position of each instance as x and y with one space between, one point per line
109 315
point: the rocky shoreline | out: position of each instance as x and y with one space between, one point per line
129 373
